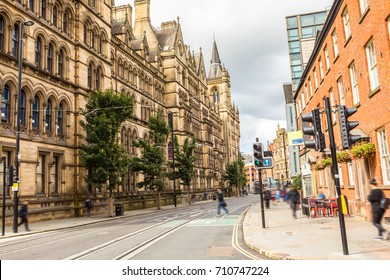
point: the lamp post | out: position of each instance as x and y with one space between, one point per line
170 122
15 186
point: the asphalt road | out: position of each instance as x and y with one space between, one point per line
188 233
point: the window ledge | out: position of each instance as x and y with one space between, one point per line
364 15
347 40
374 92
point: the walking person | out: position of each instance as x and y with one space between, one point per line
374 198
293 198
23 214
88 206
267 198
221 202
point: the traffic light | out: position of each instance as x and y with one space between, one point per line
345 126
318 141
258 155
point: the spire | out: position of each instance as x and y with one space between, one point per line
216 67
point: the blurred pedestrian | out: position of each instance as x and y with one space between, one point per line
293 198
221 202
374 198
23 215
267 198
88 206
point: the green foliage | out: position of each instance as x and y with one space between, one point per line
325 162
184 161
102 153
343 156
152 160
235 174
363 151
297 182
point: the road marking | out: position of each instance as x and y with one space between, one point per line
235 242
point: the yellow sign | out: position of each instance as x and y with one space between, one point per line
295 138
15 187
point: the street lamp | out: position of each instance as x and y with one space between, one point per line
170 122
15 186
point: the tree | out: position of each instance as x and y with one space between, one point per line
102 154
297 182
184 163
235 175
152 160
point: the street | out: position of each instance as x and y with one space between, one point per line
194 232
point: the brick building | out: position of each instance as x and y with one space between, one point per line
350 66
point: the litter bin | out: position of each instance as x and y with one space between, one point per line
119 210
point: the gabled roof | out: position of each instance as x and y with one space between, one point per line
166 36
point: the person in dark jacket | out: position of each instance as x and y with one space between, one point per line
374 198
293 198
267 198
23 214
221 202
88 206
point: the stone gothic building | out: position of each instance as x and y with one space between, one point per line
76 47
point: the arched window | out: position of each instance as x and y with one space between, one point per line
100 44
1 34
93 39
48 121
15 41
50 53
61 63
60 120
23 112
65 22
55 16
85 34
90 71
43 9
35 112
98 76
5 104
38 52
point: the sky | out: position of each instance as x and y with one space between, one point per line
252 44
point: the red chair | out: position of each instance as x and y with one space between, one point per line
320 205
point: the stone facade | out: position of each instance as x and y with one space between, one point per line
75 47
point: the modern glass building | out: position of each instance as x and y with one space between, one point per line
301 32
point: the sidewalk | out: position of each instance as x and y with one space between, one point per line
311 239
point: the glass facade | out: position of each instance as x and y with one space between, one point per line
301 27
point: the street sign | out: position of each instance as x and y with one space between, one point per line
267 163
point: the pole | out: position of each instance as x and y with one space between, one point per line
261 197
17 155
335 172
170 120
285 157
3 205
261 200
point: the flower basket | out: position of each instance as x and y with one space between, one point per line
326 162
343 156
363 151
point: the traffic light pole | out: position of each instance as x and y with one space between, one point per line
261 200
335 172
